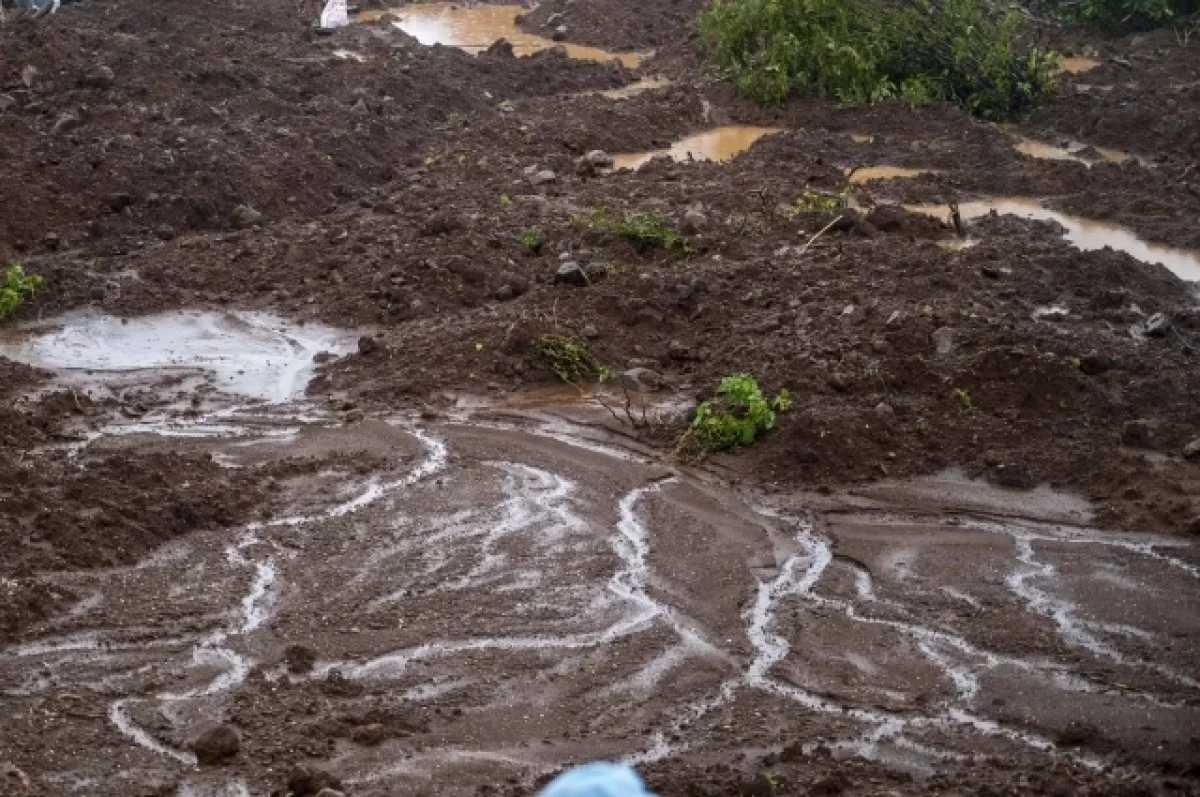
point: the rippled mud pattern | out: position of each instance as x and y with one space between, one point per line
505 592
963 563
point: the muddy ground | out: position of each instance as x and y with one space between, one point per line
813 609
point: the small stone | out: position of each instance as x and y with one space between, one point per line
1192 449
102 77
639 380
599 158
543 177
327 792
839 382
1157 325
120 201
884 410
559 34
66 122
678 351
943 340
590 332
367 345
244 217
1094 364
370 735
217 745
51 240
991 272
693 221
305 782
1136 434
354 416
504 293
300 658
7 101
570 273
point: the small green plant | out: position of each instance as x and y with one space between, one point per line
815 201
644 230
735 417
570 359
505 201
531 239
963 397
18 285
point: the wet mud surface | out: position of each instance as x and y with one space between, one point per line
290 498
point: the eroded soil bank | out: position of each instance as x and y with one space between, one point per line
962 563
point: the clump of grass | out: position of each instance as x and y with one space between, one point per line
18 285
570 359
815 201
643 230
532 239
867 50
735 417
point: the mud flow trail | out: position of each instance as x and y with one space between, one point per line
491 594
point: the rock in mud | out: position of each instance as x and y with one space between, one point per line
367 345
591 162
679 351
570 273
1094 364
7 101
543 177
244 217
102 77
300 658
511 286
1157 325
1192 449
943 340
640 380
1136 434
371 735
217 745
694 221
309 782
501 48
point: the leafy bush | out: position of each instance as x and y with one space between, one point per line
735 417
816 201
570 359
1124 16
18 285
867 50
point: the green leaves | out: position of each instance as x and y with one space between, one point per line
735 417
18 286
867 50
570 359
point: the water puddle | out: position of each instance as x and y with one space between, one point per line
246 354
638 87
1082 233
1072 152
475 28
1074 64
860 176
719 144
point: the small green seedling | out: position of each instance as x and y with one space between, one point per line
531 239
964 398
18 285
811 201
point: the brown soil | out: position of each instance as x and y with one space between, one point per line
391 194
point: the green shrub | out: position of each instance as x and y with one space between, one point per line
18 285
570 359
867 50
735 417
531 239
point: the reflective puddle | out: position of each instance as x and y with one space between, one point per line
719 144
475 28
247 354
1074 64
869 173
1082 233
1072 152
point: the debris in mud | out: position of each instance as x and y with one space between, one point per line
217 745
